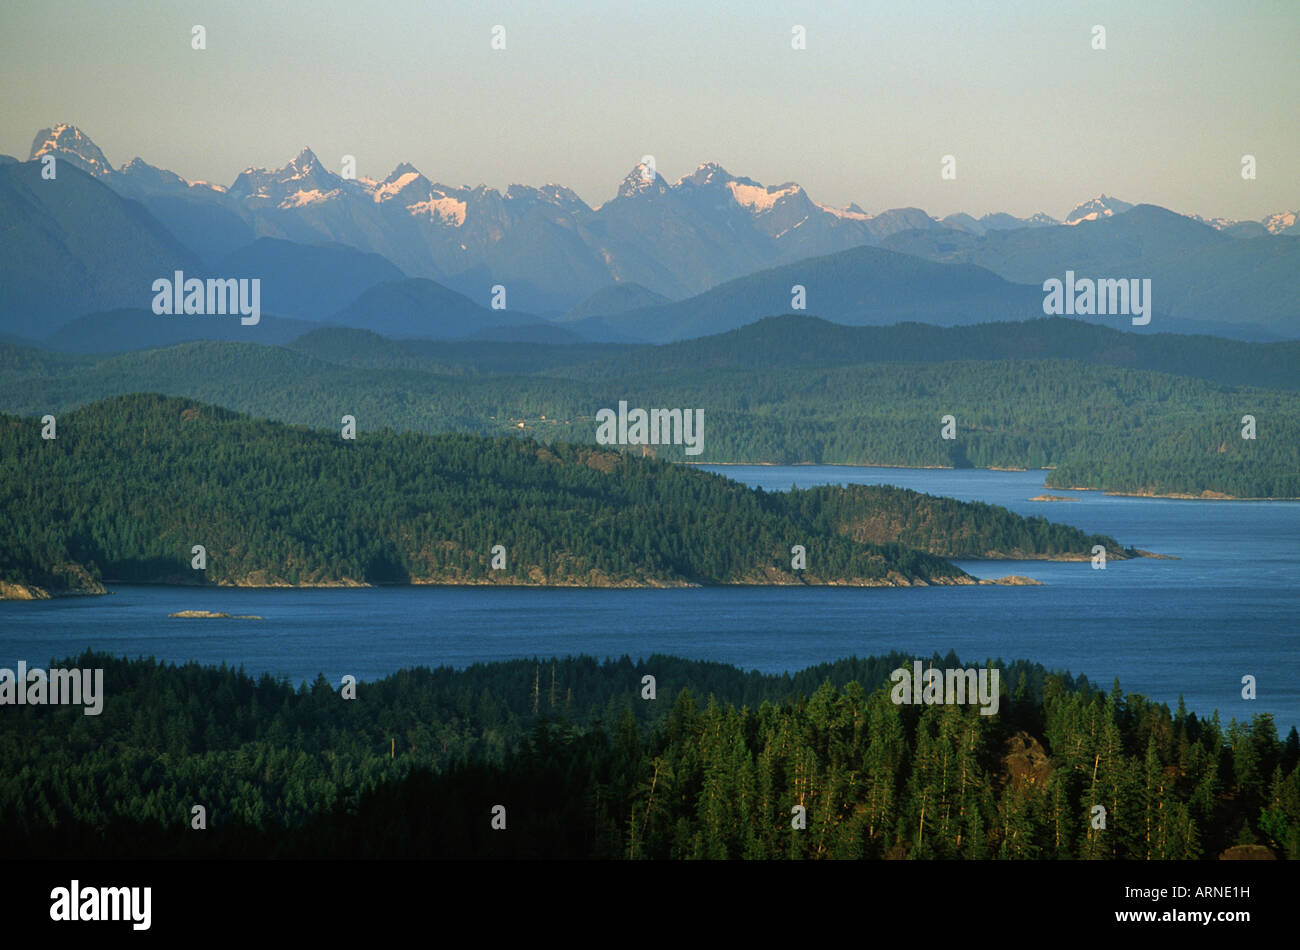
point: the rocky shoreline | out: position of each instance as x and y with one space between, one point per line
765 577
13 590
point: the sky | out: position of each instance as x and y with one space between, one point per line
1035 117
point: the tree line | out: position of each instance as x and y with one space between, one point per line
129 486
1097 426
718 765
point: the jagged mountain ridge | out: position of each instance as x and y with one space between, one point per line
552 249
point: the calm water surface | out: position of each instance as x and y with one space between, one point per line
1194 626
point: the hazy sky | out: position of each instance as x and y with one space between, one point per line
1036 118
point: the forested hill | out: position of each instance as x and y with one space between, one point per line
131 484
779 392
797 340
882 514
588 768
792 341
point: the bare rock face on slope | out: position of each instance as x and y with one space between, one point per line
1025 762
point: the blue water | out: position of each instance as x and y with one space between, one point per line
1228 607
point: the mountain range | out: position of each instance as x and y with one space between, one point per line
660 261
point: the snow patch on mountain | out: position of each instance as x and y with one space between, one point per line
757 198
446 209
781 233
392 186
1103 206
1217 223
303 165
1281 222
708 173
851 213
303 197
642 180
68 141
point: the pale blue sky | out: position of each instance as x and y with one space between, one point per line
1036 118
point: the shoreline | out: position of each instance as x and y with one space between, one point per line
1205 495
895 582
14 591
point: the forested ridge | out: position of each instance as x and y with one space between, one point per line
882 514
1086 402
797 340
131 484
585 767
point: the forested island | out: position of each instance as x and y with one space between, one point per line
1099 409
132 484
584 767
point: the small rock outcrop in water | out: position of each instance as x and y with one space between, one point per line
1053 498
212 615
1013 580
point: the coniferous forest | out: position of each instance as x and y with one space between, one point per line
129 486
1100 410
585 767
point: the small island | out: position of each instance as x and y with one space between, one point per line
213 615
454 509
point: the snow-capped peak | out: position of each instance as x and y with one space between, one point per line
404 168
1217 223
407 189
756 198
305 163
303 181
707 173
561 195
402 177
1103 206
852 213
526 196
642 179
1280 222
68 141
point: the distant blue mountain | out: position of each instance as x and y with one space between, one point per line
89 241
